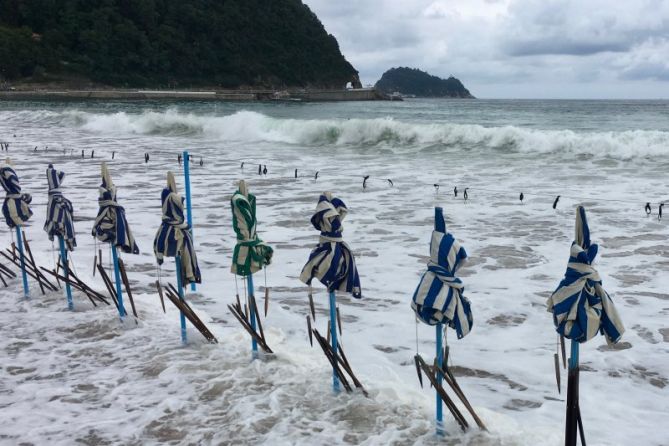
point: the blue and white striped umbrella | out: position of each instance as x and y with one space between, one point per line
173 237
331 261
15 209
580 306
439 295
59 222
110 224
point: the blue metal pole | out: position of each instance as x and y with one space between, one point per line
184 337
440 359
19 239
573 360
189 206
439 225
333 338
252 315
119 290
66 272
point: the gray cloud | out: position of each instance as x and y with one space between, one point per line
496 47
565 47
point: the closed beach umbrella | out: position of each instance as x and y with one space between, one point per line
16 211
439 298
111 225
59 221
173 237
581 308
15 208
251 254
331 261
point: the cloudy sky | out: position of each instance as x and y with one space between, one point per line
511 48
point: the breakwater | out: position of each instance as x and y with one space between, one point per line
362 94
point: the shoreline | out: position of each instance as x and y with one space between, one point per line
362 94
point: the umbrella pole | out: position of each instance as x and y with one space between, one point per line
252 315
66 273
333 338
189 209
439 329
117 276
184 337
571 423
439 225
26 291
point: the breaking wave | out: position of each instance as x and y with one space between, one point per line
248 126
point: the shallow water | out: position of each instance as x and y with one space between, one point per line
84 377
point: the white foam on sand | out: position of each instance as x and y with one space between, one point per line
82 377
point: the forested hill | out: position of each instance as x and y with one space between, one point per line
170 43
411 81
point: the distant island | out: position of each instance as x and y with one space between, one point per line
227 44
414 82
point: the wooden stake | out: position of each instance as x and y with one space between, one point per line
160 293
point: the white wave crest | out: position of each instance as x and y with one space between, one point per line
248 126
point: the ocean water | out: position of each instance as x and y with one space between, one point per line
82 377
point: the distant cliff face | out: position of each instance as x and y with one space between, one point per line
411 81
171 43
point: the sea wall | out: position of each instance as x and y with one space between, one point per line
364 94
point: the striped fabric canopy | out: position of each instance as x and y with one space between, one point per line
59 221
15 208
580 306
110 224
251 254
439 295
331 261
173 237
